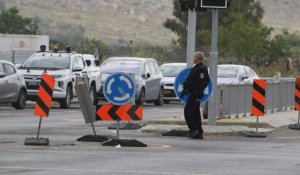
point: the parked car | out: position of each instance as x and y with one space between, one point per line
64 67
235 74
169 72
147 76
232 74
12 86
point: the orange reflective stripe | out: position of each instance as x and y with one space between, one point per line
44 99
258 97
122 112
102 112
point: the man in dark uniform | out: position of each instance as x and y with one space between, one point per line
195 84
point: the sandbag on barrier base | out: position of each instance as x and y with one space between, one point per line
294 126
37 141
93 138
126 143
256 134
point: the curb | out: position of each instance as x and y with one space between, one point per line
222 122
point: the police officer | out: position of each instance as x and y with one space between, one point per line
195 84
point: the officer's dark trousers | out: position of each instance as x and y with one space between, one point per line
192 114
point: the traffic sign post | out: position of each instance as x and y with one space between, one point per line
42 107
178 87
191 37
88 110
119 89
297 104
212 112
258 105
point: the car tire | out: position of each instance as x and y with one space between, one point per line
166 102
160 99
93 95
21 103
66 102
141 100
205 111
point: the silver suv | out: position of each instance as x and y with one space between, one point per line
12 86
148 85
64 66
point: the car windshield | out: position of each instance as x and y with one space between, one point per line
227 72
48 62
125 66
171 71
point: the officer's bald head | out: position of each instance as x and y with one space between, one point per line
198 57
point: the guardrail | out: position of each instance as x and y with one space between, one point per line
236 100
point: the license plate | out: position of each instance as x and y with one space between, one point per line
33 83
167 92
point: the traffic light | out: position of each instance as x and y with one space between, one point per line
187 4
216 4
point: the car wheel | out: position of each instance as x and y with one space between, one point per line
160 99
141 100
66 102
166 101
93 95
21 103
205 111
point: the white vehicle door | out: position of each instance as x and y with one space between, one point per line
3 85
147 79
155 81
12 81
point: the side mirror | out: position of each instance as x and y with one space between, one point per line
244 78
148 75
88 62
18 66
2 75
97 62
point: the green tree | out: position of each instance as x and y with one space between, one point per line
12 22
242 36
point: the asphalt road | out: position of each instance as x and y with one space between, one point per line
278 154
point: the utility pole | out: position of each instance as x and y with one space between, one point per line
191 37
212 113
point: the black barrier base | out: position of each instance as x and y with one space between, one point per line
256 134
126 126
126 143
37 142
93 138
176 133
294 126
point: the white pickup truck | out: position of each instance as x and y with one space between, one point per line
64 67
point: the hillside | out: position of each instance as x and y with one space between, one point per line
119 21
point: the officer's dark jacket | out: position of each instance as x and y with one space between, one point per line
197 80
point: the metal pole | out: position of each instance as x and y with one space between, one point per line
257 124
40 123
299 118
92 123
191 37
212 114
13 57
118 129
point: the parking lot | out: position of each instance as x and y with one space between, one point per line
164 155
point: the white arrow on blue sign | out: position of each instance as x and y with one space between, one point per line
119 89
178 86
